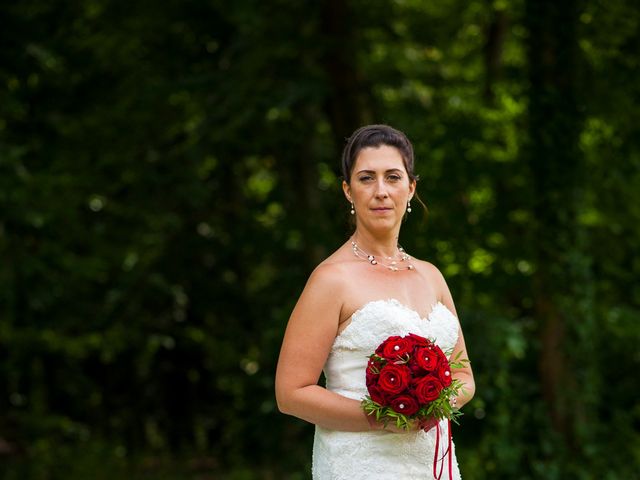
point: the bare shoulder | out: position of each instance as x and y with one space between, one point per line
315 318
427 268
326 285
328 275
433 275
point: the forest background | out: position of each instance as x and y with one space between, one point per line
169 177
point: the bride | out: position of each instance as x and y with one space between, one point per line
364 292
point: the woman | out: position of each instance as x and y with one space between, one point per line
364 292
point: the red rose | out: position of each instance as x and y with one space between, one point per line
439 352
444 373
394 347
372 371
426 358
394 378
405 404
377 395
418 340
427 389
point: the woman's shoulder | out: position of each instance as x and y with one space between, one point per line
332 269
425 266
429 271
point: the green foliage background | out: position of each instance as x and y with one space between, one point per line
169 178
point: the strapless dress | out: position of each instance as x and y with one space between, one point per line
381 455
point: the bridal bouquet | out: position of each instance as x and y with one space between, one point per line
409 378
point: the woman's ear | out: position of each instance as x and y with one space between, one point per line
412 188
347 190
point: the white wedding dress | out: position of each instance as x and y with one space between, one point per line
380 454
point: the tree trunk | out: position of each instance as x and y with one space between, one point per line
348 104
496 33
555 162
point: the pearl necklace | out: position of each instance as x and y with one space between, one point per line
393 266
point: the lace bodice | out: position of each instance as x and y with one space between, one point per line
378 454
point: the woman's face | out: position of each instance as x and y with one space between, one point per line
380 187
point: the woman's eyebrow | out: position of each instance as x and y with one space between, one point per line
386 171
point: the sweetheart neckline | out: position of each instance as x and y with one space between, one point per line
397 302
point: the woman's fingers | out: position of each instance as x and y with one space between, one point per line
428 424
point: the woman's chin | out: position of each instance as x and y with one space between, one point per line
382 222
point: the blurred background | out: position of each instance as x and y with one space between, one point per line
169 177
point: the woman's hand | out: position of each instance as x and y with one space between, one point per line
425 425
428 424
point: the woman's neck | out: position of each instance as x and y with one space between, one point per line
377 245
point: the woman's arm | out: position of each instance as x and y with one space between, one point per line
465 375
310 333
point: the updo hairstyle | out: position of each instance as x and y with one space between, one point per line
374 136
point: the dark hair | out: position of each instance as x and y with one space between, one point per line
375 136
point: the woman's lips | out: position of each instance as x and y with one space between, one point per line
381 209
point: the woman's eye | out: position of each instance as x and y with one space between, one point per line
366 178
394 178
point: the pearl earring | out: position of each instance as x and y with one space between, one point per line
353 209
408 207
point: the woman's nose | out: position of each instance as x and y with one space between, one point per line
381 190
